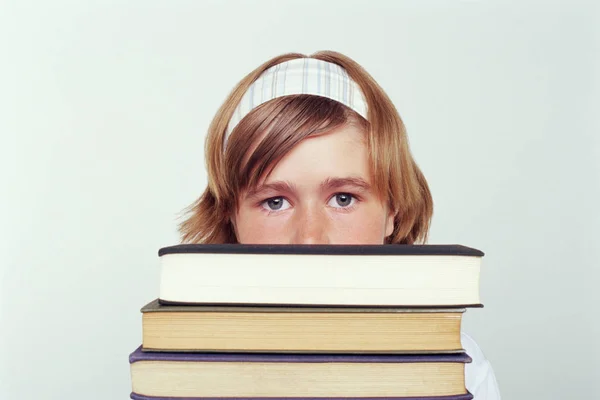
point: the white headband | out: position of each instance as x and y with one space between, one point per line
300 76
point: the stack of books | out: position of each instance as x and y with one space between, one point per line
307 322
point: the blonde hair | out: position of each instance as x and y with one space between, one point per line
270 131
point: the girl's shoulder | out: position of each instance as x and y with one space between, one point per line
479 375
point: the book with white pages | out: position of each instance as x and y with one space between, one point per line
389 275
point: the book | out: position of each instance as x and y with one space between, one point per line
320 275
300 329
238 375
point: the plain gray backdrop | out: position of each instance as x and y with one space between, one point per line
104 107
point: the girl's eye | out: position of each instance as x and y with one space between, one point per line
275 204
342 200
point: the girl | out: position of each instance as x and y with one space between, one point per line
310 150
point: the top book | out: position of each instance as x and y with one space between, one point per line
321 275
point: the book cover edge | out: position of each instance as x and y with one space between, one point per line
156 306
139 355
320 249
465 396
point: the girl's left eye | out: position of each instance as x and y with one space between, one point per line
342 200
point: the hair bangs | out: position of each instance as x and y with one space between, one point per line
273 129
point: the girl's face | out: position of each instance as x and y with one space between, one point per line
319 193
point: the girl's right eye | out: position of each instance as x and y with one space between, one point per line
275 204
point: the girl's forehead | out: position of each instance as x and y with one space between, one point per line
341 153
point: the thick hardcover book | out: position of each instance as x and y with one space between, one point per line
241 375
321 275
300 329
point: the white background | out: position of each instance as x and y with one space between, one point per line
103 111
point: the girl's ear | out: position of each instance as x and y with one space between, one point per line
231 218
389 223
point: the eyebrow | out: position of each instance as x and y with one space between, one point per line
337 183
277 186
327 184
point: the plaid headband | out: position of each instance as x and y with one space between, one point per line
300 76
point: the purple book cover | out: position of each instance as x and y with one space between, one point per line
327 249
467 396
139 355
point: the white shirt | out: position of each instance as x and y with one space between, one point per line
479 375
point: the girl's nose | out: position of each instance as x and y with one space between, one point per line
310 226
